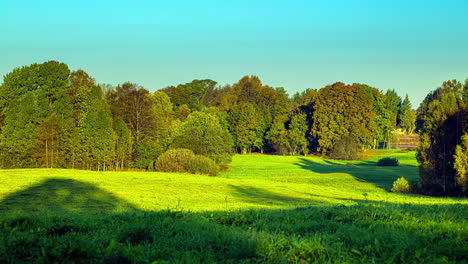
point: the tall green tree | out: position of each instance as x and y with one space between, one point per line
22 118
27 96
461 163
270 107
123 144
81 85
393 101
343 110
404 107
46 145
297 134
246 127
98 137
443 121
132 103
306 104
163 118
164 126
61 125
408 121
383 120
203 134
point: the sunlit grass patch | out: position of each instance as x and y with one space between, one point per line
266 209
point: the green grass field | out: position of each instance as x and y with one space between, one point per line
277 209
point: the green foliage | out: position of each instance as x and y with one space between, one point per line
21 121
293 140
203 134
343 110
164 124
98 138
401 186
81 85
202 165
408 121
393 102
68 139
163 117
345 149
182 112
257 109
174 160
404 107
407 116
442 122
246 127
123 144
133 104
27 97
46 143
146 154
383 120
194 95
388 162
297 134
222 116
461 163
281 142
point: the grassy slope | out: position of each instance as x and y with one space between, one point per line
122 216
256 181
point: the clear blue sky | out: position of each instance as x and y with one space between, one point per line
410 46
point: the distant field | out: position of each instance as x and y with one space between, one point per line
265 209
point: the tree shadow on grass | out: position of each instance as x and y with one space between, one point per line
69 221
61 196
255 195
366 171
93 225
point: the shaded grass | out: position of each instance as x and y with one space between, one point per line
364 233
271 209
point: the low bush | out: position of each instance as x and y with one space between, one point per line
202 165
387 162
174 160
401 185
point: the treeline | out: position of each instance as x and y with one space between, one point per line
54 117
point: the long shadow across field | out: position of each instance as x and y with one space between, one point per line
367 171
92 225
256 195
62 196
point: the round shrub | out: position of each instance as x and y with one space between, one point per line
174 160
202 165
401 185
388 162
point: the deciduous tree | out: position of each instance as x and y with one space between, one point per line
203 134
443 121
132 103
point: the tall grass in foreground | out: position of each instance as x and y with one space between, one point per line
364 233
270 209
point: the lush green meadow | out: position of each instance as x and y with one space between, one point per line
279 209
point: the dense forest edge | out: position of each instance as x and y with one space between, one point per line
52 117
